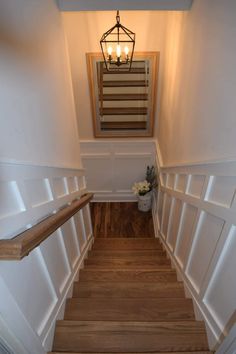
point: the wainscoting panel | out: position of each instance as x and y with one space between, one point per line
195 217
56 260
11 202
87 221
98 173
222 191
33 290
181 182
127 170
81 233
166 211
208 233
59 187
176 210
39 191
113 166
218 298
189 214
71 243
195 185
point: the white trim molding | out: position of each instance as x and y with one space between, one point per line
195 217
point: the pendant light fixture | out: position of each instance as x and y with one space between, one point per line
117 46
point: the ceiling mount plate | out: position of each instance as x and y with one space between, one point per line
104 5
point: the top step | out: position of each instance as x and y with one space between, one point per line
126 244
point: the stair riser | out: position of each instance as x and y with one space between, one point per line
127 244
140 267
130 290
130 342
127 276
125 258
129 253
126 262
129 310
120 247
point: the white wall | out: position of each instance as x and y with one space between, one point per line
197 120
37 117
38 131
84 30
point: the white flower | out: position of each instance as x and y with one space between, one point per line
141 188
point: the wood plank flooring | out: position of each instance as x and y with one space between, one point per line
128 300
120 220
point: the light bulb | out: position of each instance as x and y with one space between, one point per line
118 51
126 50
109 50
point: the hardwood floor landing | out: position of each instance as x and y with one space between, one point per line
121 220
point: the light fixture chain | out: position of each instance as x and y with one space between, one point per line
118 16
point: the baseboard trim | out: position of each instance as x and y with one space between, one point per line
114 197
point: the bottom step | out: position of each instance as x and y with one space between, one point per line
122 337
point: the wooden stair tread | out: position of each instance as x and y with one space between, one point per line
124 289
125 97
127 244
110 336
127 275
125 83
125 309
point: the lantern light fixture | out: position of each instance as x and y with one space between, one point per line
117 46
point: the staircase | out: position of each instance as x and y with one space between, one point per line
128 300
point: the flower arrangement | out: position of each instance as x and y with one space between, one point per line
141 188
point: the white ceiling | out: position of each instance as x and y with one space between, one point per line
102 5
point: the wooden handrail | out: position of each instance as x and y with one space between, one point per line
22 244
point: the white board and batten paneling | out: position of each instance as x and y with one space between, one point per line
195 217
33 290
113 166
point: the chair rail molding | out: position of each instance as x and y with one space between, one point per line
113 166
34 289
194 215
